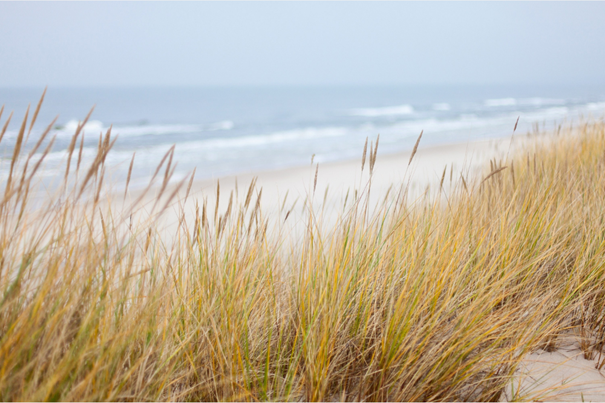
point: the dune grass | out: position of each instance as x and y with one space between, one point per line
437 299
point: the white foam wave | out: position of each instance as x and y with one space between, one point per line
261 140
154 153
144 130
156 130
500 102
385 111
90 126
435 126
222 125
536 101
88 153
192 150
593 106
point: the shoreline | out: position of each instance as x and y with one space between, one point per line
425 169
288 190
287 194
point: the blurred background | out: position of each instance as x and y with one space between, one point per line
243 87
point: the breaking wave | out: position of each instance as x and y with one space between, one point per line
385 111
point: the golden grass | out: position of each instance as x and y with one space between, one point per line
437 300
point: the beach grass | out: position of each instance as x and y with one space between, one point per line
438 298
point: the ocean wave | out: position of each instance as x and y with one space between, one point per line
143 130
593 106
88 154
64 131
338 140
222 125
155 130
159 150
90 126
385 111
435 126
536 101
158 130
548 113
500 102
266 139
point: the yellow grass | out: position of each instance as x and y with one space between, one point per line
434 300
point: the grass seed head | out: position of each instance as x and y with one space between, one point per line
415 148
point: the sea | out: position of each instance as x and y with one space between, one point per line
223 131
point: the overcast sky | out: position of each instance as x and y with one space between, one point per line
116 44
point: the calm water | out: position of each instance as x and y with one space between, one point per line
232 130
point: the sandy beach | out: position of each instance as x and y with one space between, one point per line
392 169
289 189
564 375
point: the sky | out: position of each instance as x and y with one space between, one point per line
292 43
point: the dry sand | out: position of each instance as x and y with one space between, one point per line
337 178
296 185
563 375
